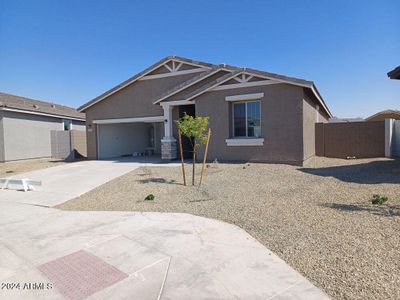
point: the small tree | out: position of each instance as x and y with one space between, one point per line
195 129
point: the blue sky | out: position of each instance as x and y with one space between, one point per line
71 51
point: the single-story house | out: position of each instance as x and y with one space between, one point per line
386 114
395 73
254 115
25 126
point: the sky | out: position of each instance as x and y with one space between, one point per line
69 52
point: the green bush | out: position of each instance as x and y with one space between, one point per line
379 199
149 197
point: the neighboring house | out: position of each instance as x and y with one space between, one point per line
25 126
254 115
345 120
394 74
386 114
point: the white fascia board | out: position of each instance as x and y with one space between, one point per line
244 84
255 96
176 103
124 86
211 87
41 114
244 142
321 101
130 120
173 73
187 86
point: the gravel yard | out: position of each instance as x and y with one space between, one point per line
319 219
21 166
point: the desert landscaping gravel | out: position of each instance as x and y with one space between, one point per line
21 166
318 219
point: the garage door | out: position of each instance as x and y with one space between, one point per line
116 140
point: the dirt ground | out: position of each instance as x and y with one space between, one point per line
21 166
319 219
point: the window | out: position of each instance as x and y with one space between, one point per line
67 125
247 119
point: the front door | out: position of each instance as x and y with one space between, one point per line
186 145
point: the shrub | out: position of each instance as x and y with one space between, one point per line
149 197
379 199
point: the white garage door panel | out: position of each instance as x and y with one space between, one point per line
116 140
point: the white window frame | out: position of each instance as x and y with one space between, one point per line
245 111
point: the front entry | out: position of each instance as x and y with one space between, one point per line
186 145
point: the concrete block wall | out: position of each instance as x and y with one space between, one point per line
60 144
68 144
352 139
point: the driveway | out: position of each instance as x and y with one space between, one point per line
47 253
68 181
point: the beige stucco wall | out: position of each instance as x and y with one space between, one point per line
288 115
311 115
28 136
136 100
281 124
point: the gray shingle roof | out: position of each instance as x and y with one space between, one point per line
387 111
27 104
182 86
395 73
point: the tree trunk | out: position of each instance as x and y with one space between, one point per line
182 159
194 164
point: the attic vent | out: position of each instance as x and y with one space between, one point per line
35 106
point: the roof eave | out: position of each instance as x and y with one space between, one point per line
54 115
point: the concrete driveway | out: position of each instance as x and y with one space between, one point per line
47 253
68 181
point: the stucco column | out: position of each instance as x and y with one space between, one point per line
168 142
388 137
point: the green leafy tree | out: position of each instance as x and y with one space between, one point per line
195 129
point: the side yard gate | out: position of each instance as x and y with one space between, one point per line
351 139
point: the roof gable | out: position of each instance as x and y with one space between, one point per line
168 66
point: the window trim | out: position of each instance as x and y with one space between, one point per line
244 97
245 112
244 141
